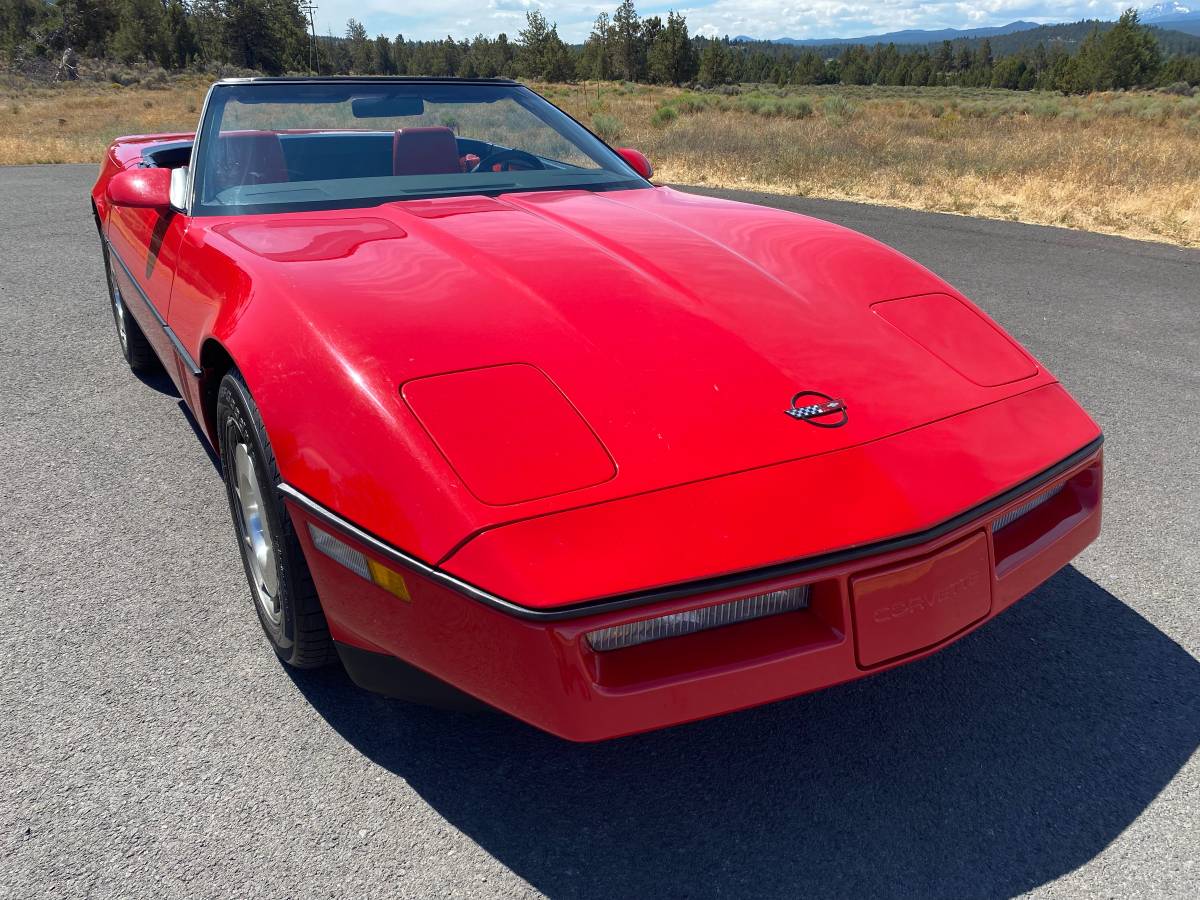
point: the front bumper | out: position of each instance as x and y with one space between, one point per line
866 613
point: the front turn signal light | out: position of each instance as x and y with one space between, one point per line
359 563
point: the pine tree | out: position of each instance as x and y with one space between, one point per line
1129 55
141 34
362 54
401 52
84 25
672 58
596 58
557 62
532 40
629 51
181 39
385 62
714 64
267 35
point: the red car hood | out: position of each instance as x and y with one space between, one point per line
678 327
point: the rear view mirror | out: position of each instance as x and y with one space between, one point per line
142 188
387 107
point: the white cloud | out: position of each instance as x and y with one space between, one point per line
513 5
758 18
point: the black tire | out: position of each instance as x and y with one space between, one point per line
290 614
134 347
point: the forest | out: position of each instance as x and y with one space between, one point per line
274 37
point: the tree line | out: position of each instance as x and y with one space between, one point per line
271 36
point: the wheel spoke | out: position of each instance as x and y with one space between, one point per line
255 532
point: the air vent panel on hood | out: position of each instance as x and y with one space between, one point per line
509 433
960 337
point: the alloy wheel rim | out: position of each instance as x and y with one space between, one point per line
118 306
254 531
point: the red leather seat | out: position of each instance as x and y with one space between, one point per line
249 157
430 150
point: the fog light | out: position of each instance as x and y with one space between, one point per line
358 563
693 620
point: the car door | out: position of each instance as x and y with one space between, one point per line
144 245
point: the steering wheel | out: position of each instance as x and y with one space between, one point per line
508 156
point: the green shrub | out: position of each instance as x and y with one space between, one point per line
692 103
664 116
1078 115
796 108
608 127
123 77
1046 109
1153 112
156 80
752 103
835 106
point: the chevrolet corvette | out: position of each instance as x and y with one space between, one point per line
500 419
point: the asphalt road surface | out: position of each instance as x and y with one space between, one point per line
151 745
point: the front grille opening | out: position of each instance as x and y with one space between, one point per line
773 624
1023 531
1027 507
690 621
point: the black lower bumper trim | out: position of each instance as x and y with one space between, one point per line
391 676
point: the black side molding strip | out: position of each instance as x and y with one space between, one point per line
690 588
180 350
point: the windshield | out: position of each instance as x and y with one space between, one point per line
277 146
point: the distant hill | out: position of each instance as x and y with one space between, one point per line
1072 34
1068 36
1174 16
911 36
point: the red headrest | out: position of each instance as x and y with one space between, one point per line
425 151
249 157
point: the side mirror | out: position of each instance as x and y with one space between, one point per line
637 161
142 188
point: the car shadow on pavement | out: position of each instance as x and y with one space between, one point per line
158 380
990 768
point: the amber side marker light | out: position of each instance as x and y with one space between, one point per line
359 563
692 620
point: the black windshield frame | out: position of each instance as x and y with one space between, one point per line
300 89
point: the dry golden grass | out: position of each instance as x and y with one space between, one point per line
74 123
1122 164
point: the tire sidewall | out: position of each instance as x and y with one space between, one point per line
238 422
112 305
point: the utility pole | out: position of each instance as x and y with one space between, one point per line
308 7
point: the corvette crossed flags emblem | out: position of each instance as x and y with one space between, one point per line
817 409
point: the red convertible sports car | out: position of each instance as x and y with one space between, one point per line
498 417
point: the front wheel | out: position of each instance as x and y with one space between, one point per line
284 595
134 346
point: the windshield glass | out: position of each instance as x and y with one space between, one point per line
272 146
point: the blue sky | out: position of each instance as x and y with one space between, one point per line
758 18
